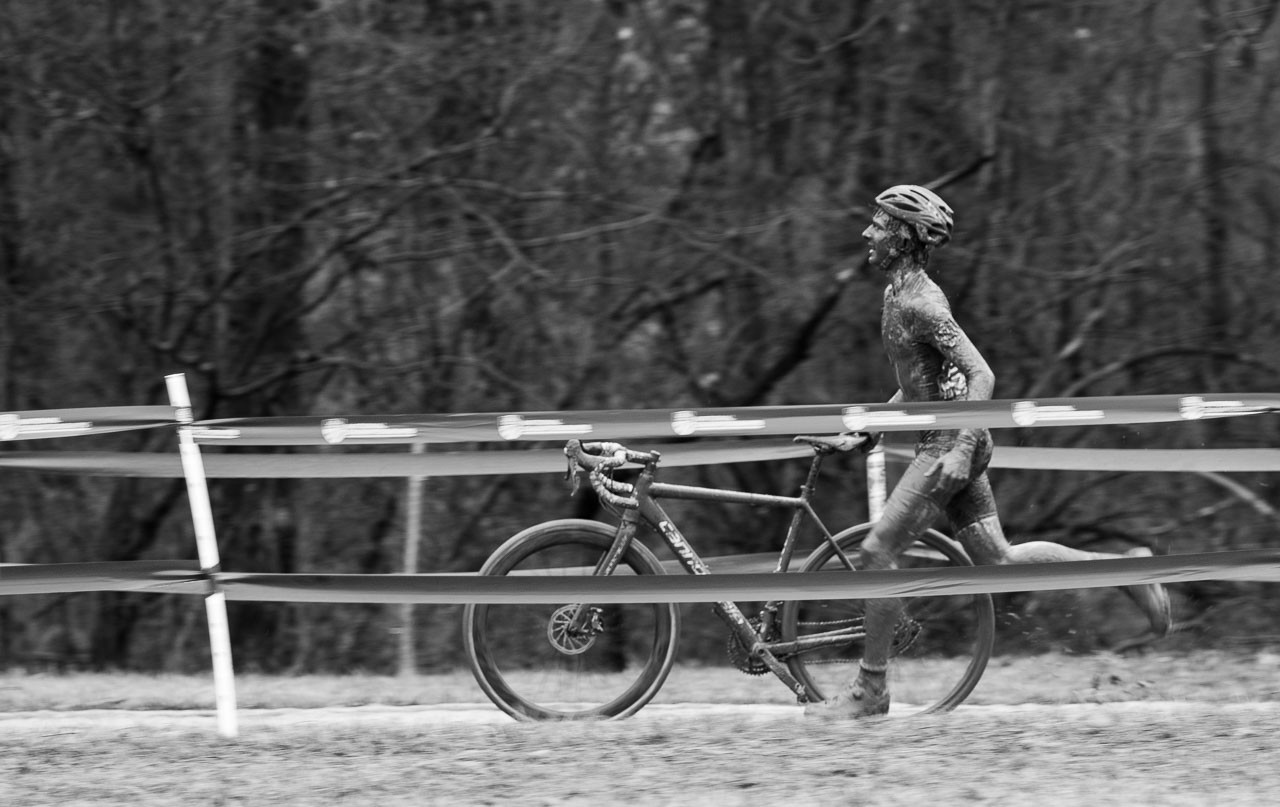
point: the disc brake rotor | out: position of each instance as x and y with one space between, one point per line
563 636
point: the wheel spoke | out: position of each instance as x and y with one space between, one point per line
569 661
940 645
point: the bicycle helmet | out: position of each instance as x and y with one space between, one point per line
922 209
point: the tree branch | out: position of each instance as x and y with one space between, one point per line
1077 387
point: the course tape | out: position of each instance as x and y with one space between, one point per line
132 575
641 423
536 461
453 589
371 465
44 424
721 422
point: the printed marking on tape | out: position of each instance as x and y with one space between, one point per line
15 427
687 422
1029 413
858 418
215 434
338 430
1193 407
513 427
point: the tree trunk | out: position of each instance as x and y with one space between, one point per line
1216 206
265 336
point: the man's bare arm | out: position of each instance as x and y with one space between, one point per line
954 344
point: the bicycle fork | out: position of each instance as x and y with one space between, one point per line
581 617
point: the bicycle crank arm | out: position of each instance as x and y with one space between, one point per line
747 635
761 650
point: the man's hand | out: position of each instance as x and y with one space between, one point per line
950 472
859 441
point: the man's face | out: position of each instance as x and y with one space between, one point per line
880 237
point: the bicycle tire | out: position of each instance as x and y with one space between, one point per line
953 642
533 670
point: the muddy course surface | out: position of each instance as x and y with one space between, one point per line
1122 754
1119 738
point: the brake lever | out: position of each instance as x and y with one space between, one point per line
572 471
574 475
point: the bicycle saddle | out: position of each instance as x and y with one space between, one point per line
831 443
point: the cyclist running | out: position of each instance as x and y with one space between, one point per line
934 360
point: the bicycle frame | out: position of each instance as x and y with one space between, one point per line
648 490
558 676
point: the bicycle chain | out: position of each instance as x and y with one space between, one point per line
905 634
830 623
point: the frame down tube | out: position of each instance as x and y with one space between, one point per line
653 513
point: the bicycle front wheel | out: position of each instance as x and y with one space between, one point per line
941 644
569 661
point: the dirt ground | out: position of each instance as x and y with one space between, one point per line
1145 731
1087 754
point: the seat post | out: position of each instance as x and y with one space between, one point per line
793 528
811 482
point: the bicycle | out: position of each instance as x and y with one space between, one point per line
587 661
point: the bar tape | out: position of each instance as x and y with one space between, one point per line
535 461
44 424
746 421
453 589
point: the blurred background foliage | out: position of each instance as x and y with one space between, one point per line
400 206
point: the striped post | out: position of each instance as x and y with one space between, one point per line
215 602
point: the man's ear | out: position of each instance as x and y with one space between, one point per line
902 242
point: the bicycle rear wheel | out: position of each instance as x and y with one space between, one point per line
532 662
941 644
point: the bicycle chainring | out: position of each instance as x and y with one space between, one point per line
742 657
